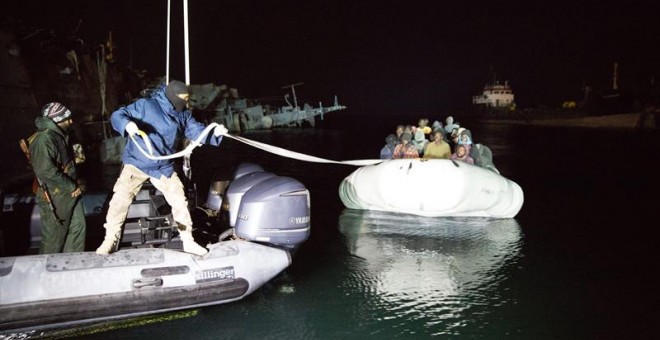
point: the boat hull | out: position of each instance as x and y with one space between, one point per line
46 291
434 187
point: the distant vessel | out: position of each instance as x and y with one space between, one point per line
223 106
605 108
495 95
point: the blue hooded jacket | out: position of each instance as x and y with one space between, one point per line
165 127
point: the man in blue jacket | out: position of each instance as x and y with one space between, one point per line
165 119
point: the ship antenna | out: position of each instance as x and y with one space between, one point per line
186 43
186 40
615 85
293 90
167 47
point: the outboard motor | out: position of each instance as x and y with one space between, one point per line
217 189
237 189
214 197
247 168
275 211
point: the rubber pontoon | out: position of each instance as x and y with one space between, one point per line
54 290
41 290
431 187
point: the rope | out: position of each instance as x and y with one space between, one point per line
263 146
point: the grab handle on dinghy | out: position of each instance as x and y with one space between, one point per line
141 283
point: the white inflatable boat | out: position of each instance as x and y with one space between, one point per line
433 187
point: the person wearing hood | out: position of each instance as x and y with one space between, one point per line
405 149
464 137
450 126
436 125
420 141
166 120
63 219
388 150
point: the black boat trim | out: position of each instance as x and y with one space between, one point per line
51 313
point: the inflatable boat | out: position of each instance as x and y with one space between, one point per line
146 276
431 187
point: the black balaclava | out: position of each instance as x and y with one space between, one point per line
173 89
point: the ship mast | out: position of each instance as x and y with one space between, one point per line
186 43
615 76
292 86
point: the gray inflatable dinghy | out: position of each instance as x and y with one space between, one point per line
55 290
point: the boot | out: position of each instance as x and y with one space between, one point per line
190 246
109 244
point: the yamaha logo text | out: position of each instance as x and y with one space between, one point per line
299 220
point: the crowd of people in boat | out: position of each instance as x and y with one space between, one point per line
437 141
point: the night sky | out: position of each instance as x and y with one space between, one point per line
416 56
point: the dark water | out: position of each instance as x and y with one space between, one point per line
576 263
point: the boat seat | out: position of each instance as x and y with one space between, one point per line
153 226
160 228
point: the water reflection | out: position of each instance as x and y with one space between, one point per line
440 272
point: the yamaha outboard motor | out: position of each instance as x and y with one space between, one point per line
211 220
216 193
247 168
275 211
262 207
237 190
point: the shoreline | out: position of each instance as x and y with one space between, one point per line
636 120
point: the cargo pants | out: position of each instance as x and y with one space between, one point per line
130 182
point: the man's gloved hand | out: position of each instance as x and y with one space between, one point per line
220 130
131 128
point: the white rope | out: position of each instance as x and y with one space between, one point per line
187 151
167 45
300 156
266 147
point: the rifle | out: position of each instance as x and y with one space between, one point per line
24 147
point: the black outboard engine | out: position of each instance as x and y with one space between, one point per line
266 208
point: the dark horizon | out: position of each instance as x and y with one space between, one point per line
375 56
